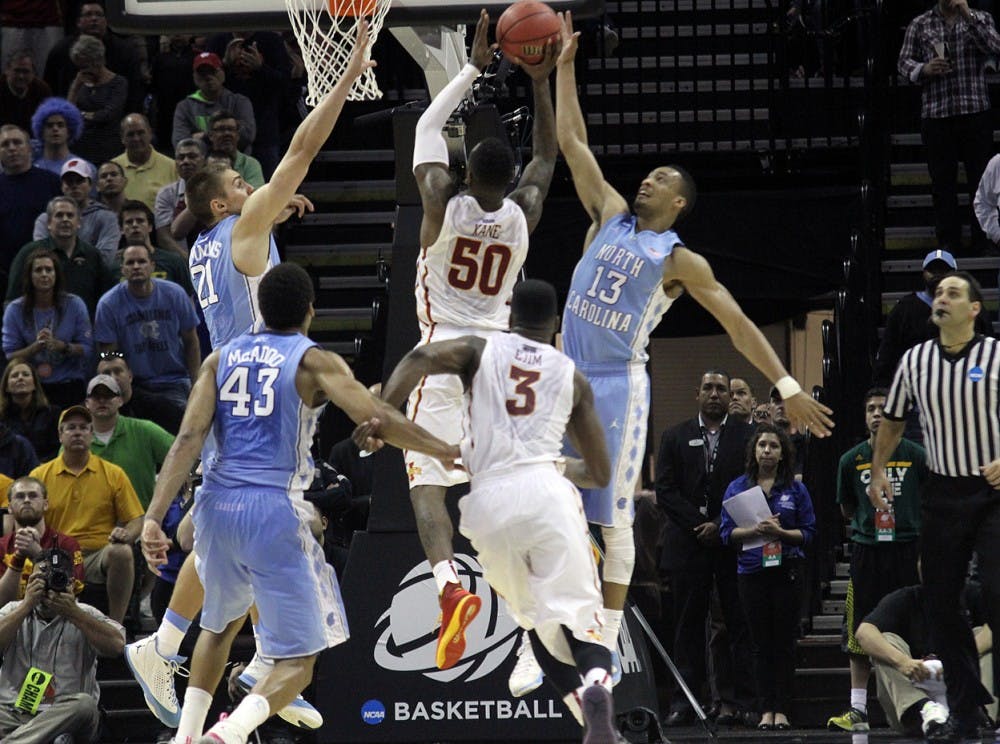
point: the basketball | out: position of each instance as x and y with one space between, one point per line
524 28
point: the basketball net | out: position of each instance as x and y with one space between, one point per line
326 33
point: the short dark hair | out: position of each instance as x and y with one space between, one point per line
134 205
687 189
875 392
284 296
492 163
201 188
975 288
221 115
715 371
111 162
533 302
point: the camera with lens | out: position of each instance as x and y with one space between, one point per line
58 570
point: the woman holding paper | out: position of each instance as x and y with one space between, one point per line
771 516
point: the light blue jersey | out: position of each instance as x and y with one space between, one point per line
227 297
263 429
616 297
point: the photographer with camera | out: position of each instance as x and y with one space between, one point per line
50 644
30 539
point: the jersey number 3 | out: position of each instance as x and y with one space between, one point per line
468 268
236 390
524 401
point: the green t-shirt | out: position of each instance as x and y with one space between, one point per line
906 470
138 447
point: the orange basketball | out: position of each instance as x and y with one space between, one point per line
352 8
524 28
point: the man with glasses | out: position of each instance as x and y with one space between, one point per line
223 136
147 170
28 538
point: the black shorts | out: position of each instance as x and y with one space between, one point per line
876 570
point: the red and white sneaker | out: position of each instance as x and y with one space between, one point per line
458 608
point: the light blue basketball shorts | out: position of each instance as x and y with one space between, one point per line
257 547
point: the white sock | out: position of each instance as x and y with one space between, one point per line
256 640
573 703
859 699
193 714
252 711
171 633
445 573
612 624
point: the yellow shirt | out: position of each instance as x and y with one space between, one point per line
146 179
90 505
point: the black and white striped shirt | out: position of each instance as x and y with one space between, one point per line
959 401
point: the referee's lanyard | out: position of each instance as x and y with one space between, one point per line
711 454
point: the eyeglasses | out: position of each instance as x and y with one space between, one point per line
105 355
761 415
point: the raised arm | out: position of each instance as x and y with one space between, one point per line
269 203
694 272
537 177
430 150
587 437
597 196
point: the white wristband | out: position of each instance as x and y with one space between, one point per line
788 387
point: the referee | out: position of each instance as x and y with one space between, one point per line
955 381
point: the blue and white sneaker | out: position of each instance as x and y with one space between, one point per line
527 676
155 675
298 713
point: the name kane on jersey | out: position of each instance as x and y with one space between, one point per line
487 230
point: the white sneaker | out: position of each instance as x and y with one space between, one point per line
298 713
932 713
155 674
527 675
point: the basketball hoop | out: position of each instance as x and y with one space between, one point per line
326 33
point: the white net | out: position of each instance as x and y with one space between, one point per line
326 33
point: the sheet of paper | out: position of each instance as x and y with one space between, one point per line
749 508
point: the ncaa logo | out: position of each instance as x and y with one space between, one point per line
373 712
407 631
976 374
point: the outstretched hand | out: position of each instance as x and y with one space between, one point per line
541 70
569 39
359 63
807 413
481 53
297 205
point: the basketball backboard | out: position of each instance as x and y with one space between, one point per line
203 16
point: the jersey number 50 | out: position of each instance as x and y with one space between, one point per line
468 268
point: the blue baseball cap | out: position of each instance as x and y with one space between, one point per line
940 255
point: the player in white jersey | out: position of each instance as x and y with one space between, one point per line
523 515
594 328
473 246
227 262
252 525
